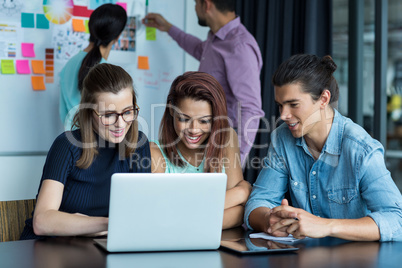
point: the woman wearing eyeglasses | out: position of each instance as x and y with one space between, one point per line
195 137
74 191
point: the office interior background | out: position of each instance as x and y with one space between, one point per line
380 113
364 38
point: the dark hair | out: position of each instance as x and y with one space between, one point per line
198 86
224 5
313 73
102 78
105 25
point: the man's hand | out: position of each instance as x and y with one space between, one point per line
156 20
279 223
266 220
300 223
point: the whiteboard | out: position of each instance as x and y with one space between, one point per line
30 119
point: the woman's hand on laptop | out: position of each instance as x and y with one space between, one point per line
101 233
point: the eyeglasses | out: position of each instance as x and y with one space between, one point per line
111 118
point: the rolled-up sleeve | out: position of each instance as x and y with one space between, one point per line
382 196
270 186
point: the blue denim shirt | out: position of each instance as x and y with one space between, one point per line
349 180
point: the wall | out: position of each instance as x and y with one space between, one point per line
21 168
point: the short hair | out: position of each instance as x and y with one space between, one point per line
198 86
314 74
102 78
224 5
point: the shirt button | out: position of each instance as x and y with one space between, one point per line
314 196
314 172
343 198
295 183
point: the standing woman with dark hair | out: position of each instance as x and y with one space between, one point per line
73 197
105 26
195 137
333 169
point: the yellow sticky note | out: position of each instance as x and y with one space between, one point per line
86 26
150 33
7 67
38 67
38 83
143 63
78 25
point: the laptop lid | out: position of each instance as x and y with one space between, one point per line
161 212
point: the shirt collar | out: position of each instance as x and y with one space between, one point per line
225 30
334 140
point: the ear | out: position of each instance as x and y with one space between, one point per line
325 98
207 4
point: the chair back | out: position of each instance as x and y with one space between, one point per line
12 218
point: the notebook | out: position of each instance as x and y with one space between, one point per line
165 212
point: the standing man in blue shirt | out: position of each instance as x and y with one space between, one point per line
232 56
333 169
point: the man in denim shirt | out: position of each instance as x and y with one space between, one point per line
334 171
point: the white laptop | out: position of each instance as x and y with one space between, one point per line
164 212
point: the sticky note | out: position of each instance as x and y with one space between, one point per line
38 83
81 11
37 66
23 66
86 26
7 67
150 33
78 25
27 20
41 22
123 5
143 63
27 50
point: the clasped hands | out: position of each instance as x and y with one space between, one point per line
284 220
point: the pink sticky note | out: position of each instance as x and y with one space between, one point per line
23 67
27 50
124 5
